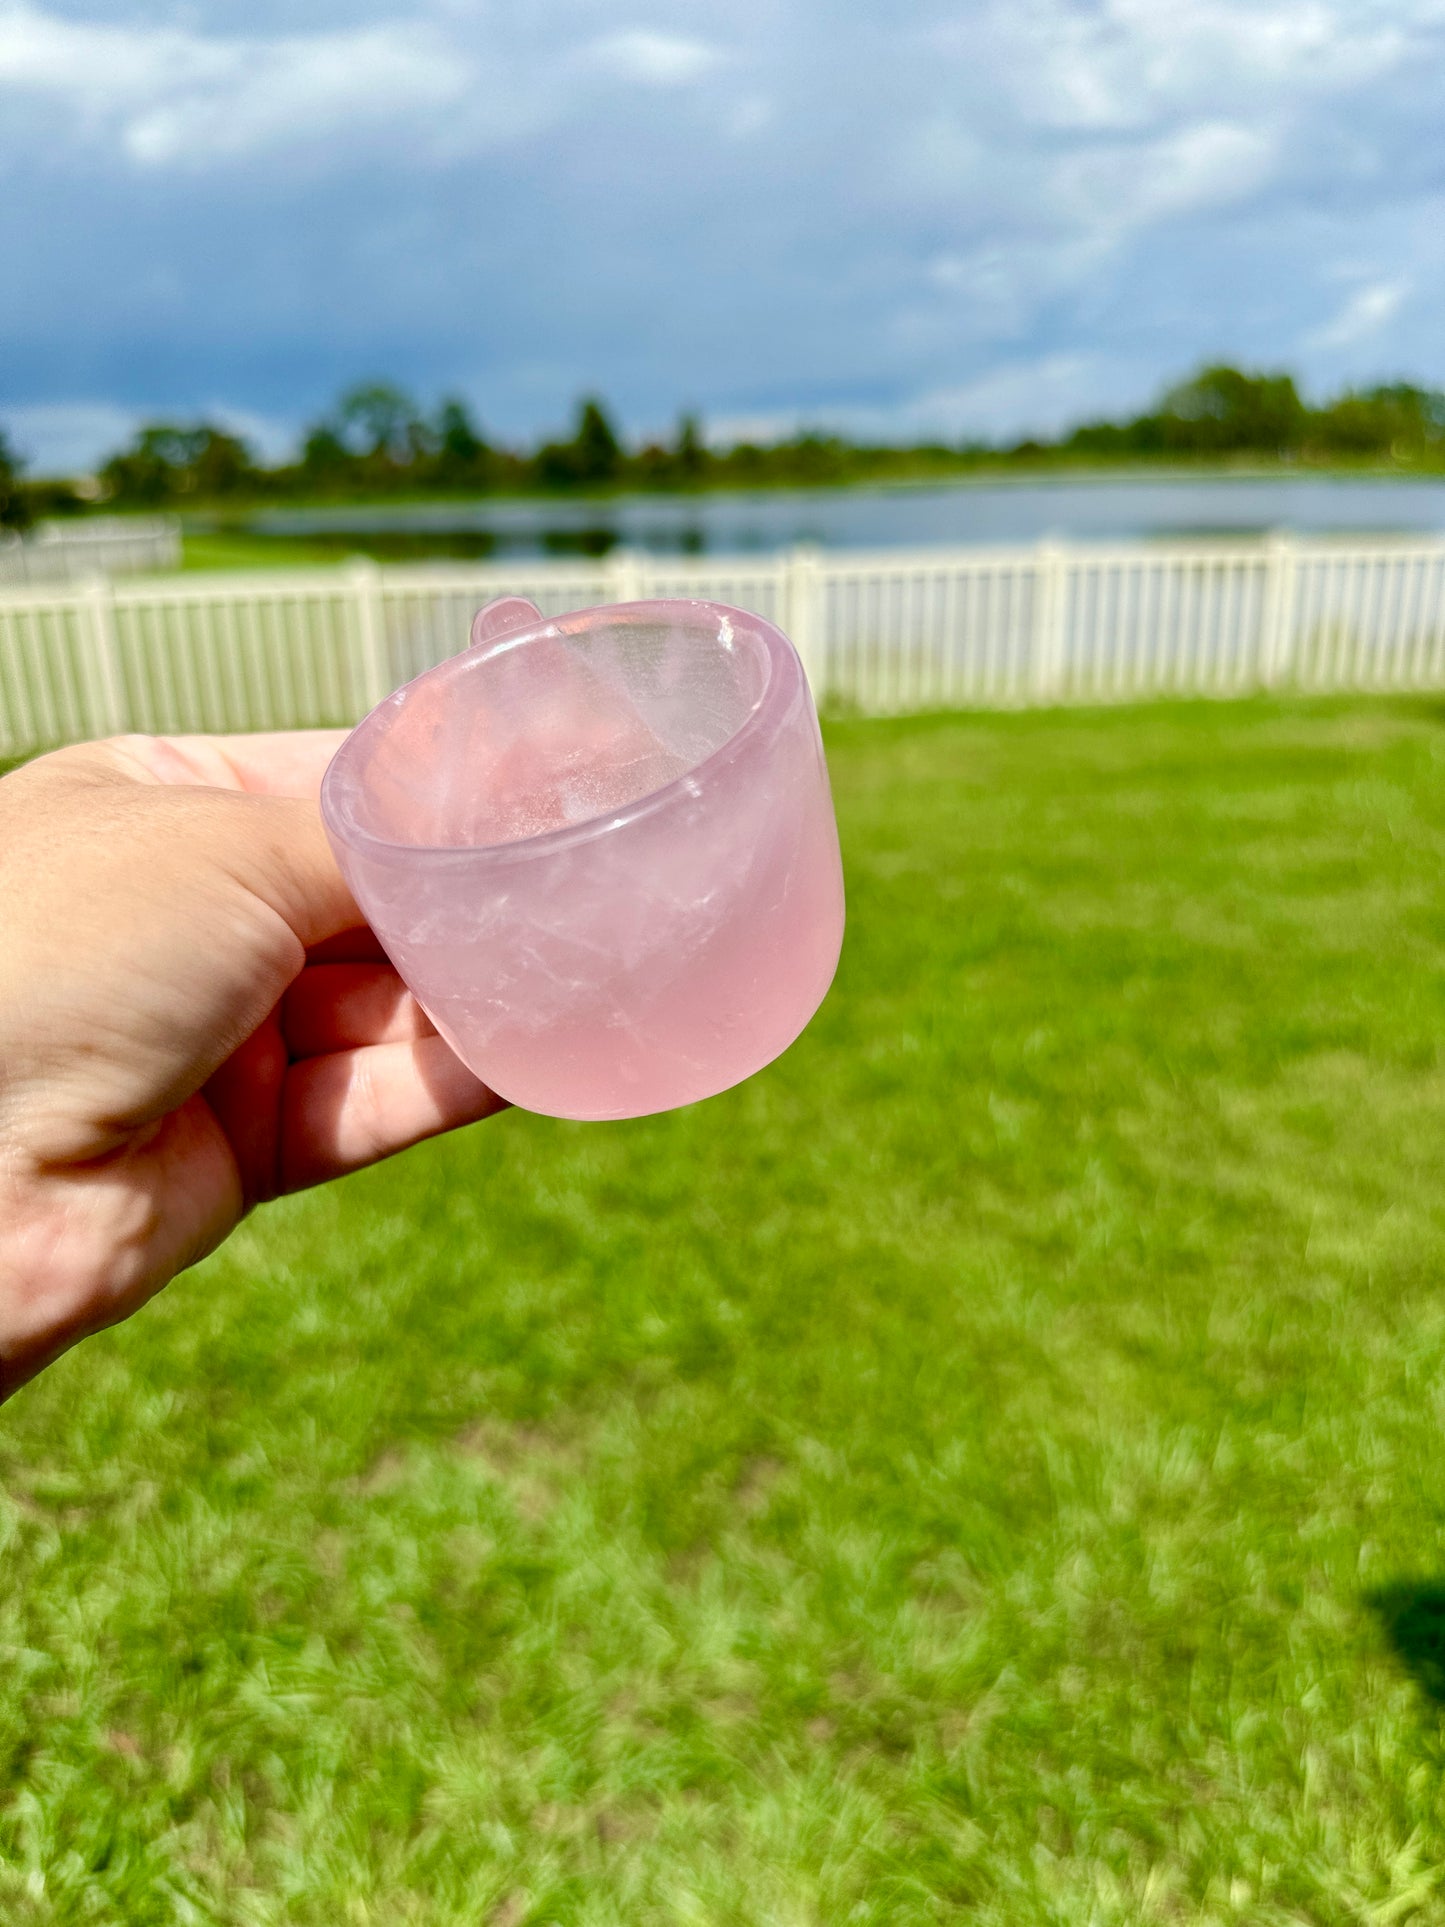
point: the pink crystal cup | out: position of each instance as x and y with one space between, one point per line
601 851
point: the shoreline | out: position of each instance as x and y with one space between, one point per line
1052 475
211 516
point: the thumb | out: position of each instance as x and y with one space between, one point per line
276 848
174 810
186 913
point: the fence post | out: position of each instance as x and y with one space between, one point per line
805 613
100 668
364 580
626 576
1277 624
1051 616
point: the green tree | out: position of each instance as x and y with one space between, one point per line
1396 419
690 451
14 507
169 460
377 420
324 456
812 459
462 454
221 464
1223 411
593 457
599 453
1119 440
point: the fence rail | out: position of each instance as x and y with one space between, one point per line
880 632
101 544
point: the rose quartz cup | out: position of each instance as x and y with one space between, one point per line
601 851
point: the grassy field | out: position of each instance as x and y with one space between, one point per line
237 547
987 1469
231 548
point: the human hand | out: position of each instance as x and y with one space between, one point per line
193 1019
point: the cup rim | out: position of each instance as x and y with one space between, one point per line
782 678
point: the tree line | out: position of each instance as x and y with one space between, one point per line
377 441
1224 412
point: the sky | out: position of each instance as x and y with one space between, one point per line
904 218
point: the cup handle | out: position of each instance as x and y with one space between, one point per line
501 616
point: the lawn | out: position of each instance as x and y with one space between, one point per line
238 548
989 1468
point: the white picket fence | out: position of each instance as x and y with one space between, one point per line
879 632
100 544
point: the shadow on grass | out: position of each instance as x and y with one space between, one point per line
1413 1616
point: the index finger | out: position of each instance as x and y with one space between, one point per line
281 762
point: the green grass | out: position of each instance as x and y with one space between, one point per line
238 549
988 1468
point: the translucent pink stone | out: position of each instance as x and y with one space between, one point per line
601 851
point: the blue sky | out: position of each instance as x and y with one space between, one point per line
909 217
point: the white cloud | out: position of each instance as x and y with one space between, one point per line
1127 62
175 96
655 59
302 89
758 425
1037 227
1059 139
1367 312
68 438
170 95
1038 395
1198 168
271 438
95 64
65 438
989 293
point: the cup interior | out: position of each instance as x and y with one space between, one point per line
554 726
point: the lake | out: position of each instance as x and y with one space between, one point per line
995 511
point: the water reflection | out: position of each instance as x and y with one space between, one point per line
994 512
